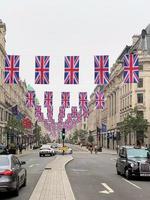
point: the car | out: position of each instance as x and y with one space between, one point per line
12 174
54 145
3 149
64 150
46 150
133 161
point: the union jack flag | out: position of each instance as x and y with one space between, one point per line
48 99
83 100
65 99
79 117
71 74
30 99
85 112
131 68
101 69
37 110
42 70
74 111
41 117
49 112
99 100
11 73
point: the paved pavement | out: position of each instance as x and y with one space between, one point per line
53 183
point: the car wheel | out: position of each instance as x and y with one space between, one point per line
128 174
16 191
25 181
118 173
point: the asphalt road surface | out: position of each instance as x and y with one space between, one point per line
93 177
35 166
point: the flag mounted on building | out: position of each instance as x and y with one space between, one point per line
104 128
48 99
101 64
30 99
11 73
83 100
99 97
42 69
65 99
71 74
131 68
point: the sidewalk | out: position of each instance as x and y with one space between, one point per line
53 183
25 152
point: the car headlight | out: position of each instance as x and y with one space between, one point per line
132 164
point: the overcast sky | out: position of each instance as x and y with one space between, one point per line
59 28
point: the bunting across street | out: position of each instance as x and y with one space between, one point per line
99 96
82 100
131 68
48 99
71 74
74 111
42 69
101 64
11 72
65 99
30 99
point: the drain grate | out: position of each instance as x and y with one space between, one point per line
48 168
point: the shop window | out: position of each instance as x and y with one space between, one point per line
140 83
140 98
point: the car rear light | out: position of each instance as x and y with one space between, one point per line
7 172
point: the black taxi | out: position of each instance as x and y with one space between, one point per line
133 161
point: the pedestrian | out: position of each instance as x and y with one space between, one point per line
91 148
95 148
20 148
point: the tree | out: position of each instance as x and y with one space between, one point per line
136 123
90 138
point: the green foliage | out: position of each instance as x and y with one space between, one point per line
90 138
14 124
134 122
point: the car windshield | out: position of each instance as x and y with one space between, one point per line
137 153
4 161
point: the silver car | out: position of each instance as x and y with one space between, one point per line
12 174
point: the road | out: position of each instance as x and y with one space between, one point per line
94 177
35 166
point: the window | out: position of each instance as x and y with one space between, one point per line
140 83
140 98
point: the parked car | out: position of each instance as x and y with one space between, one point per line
12 174
3 149
133 161
65 150
46 150
54 145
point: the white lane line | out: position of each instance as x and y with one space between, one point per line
132 184
33 165
108 189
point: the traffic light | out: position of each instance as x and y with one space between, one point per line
63 133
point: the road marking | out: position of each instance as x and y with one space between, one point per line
108 189
132 183
79 170
33 165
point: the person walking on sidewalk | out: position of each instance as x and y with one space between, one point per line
95 149
91 148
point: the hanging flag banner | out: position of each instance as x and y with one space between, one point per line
83 100
74 111
37 110
27 123
131 68
99 97
62 111
11 72
48 99
42 69
30 99
101 64
65 99
71 74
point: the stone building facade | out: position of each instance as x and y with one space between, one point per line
10 96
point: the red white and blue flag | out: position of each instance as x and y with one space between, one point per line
42 69
49 112
131 68
83 100
62 111
99 96
37 110
11 73
48 99
65 99
101 64
74 111
30 99
71 74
